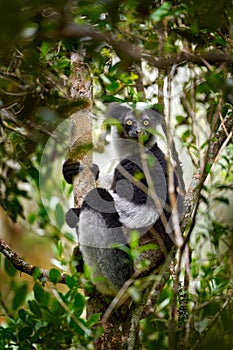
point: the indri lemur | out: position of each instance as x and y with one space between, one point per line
138 199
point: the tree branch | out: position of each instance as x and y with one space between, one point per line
199 177
212 57
221 137
23 266
131 53
191 198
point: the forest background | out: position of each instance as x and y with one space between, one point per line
173 55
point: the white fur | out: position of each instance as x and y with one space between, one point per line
92 231
122 147
135 216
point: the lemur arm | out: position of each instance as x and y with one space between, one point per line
73 167
72 217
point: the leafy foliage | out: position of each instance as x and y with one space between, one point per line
136 51
51 321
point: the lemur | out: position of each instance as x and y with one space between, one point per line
137 200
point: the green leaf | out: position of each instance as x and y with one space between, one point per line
134 239
181 119
32 217
54 275
208 168
25 333
59 249
40 324
56 306
76 327
36 273
44 49
38 292
70 281
34 308
20 295
185 135
59 215
9 267
93 320
69 236
161 12
79 304
22 315
224 200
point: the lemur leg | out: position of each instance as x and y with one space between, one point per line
101 241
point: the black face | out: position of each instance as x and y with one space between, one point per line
134 124
137 126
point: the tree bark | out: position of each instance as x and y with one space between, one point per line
117 328
81 128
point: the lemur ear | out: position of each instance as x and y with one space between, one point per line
116 110
72 217
155 114
114 115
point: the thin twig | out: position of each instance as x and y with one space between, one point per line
5 308
118 298
211 323
23 266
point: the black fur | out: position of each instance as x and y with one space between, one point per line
100 201
100 224
72 217
71 168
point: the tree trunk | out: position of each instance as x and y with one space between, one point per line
117 327
81 128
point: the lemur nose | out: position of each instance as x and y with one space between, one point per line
138 131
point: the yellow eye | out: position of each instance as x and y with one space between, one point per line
129 122
146 122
